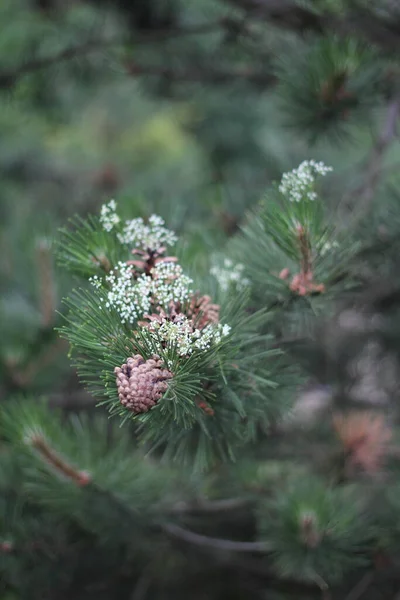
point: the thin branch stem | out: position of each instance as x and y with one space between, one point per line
98 44
67 54
59 464
209 507
362 22
10 77
217 543
360 587
365 192
208 74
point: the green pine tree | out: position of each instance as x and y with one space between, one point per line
228 302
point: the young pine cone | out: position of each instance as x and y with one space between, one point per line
141 383
202 311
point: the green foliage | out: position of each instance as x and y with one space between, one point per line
320 533
329 85
232 376
299 258
88 448
221 490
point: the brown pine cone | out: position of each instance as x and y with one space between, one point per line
149 259
161 316
141 383
202 312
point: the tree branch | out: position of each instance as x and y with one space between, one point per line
287 14
217 543
204 75
10 77
360 587
215 506
264 78
365 192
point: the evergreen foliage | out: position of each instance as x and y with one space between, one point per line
232 314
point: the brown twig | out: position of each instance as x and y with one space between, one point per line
210 506
360 587
48 454
208 74
374 168
217 543
10 77
361 22
98 44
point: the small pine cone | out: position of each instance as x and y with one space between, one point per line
202 311
149 259
141 383
173 316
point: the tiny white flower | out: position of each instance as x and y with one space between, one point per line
147 236
328 246
170 284
108 215
95 281
298 185
186 339
229 274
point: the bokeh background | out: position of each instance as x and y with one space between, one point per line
186 108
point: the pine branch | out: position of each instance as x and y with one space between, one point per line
360 587
208 75
50 456
217 543
287 14
374 169
10 78
210 507
379 150
21 376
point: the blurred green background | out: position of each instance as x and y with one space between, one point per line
177 107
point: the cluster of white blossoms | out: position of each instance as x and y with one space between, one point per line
132 298
327 247
137 233
298 185
108 215
229 274
181 334
169 284
150 236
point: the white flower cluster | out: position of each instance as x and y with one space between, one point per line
186 339
130 298
108 215
328 246
229 273
298 185
133 297
147 236
170 284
